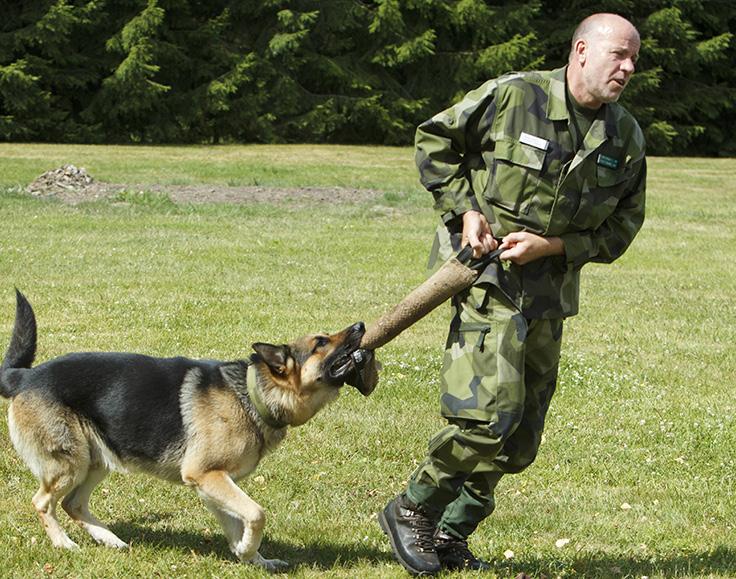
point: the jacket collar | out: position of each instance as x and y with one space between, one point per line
556 102
603 127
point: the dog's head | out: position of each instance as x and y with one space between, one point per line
303 376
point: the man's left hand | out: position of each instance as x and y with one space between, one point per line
522 247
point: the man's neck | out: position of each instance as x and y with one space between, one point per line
577 90
579 109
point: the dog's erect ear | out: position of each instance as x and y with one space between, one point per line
274 356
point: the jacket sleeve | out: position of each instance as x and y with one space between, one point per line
446 143
616 233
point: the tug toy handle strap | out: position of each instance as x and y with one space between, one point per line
465 256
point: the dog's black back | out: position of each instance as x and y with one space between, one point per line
131 399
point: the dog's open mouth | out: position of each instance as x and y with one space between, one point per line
360 371
341 367
346 360
351 364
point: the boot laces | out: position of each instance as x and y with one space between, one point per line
423 528
458 548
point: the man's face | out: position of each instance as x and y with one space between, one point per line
610 59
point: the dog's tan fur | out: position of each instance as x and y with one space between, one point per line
223 439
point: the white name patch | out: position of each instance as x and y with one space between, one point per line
534 141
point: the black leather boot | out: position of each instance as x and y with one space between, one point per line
455 555
410 528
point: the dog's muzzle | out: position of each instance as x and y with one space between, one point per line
341 368
341 363
354 366
364 376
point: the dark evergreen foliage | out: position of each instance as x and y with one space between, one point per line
344 71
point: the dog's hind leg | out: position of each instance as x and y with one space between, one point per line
242 519
76 504
50 441
44 501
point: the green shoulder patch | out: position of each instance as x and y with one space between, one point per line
607 161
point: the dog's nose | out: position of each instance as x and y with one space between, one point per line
359 327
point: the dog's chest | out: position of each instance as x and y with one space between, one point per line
249 459
220 433
247 465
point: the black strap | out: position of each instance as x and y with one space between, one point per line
465 256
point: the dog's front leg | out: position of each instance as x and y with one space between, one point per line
242 519
233 528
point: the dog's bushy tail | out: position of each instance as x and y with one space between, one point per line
22 348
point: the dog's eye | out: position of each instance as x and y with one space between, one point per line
321 342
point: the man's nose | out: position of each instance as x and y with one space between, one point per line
628 66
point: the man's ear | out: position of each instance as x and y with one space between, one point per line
581 50
274 356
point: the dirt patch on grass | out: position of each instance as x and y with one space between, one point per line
73 185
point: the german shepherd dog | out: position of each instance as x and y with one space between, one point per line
203 423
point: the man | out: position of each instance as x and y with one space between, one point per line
551 165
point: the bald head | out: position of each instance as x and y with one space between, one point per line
603 56
601 24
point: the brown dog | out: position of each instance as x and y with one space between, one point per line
203 423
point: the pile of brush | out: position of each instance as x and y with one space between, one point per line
65 178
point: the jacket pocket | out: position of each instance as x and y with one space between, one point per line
607 177
516 175
601 200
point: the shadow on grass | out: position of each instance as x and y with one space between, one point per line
319 554
720 561
324 555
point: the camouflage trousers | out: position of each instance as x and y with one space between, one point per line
499 374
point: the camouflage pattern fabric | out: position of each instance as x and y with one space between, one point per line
498 378
506 149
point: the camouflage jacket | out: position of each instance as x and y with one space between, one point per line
507 149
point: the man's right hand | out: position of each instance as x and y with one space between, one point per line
477 233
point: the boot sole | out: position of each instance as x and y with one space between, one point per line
383 523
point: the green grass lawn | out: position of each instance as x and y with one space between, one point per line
384 168
637 467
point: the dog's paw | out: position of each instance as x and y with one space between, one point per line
275 565
65 543
270 565
115 543
106 537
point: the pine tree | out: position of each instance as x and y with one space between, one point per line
45 69
348 71
130 99
683 91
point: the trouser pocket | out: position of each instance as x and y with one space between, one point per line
483 370
469 330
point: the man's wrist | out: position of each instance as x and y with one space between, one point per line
453 215
555 245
